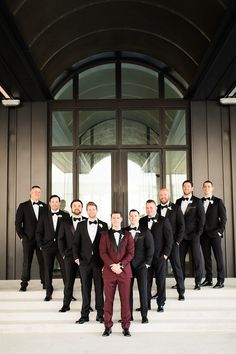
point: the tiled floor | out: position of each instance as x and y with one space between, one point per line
204 323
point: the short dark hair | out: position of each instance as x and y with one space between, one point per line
151 201
76 200
116 212
134 210
187 181
91 204
54 196
207 181
35 187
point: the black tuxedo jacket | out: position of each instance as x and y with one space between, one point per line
45 233
175 216
143 222
215 218
162 237
26 221
194 218
143 248
66 237
83 248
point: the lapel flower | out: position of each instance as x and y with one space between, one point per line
211 201
155 220
59 216
138 232
121 236
190 202
41 205
100 225
169 208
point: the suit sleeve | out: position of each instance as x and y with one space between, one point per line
149 245
222 217
180 225
19 222
103 250
201 217
77 242
40 232
62 239
168 236
129 250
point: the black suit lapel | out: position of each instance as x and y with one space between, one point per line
31 210
113 241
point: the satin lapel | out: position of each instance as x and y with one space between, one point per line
113 241
121 241
87 233
72 229
189 205
59 220
51 222
31 209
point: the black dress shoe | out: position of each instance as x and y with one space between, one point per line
174 286
218 285
82 320
126 332
90 309
144 319
197 286
99 319
206 283
181 297
48 298
160 308
106 332
73 298
154 296
64 309
23 288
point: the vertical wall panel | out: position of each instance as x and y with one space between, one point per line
3 184
199 145
233 172
11 189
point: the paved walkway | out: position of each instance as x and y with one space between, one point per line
204 323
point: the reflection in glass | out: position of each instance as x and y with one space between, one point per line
175 127
62 181
95 181
176 172
97 82
138 82
66 92
97 128
140 127
143 179
62 128
171 91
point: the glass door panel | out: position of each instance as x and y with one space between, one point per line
95 181
143 178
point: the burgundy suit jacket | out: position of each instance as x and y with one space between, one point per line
110 253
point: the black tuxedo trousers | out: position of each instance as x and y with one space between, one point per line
141 275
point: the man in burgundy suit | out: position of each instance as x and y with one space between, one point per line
117 251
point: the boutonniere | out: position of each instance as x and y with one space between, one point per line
169 208
190 201
59 216
138 232
41 205
100 225
155 220
121 236
211 201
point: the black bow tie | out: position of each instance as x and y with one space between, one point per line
164 206
187 199
93 222
35 203
57 213
206 198
114 231
133 228
151 218
76 219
